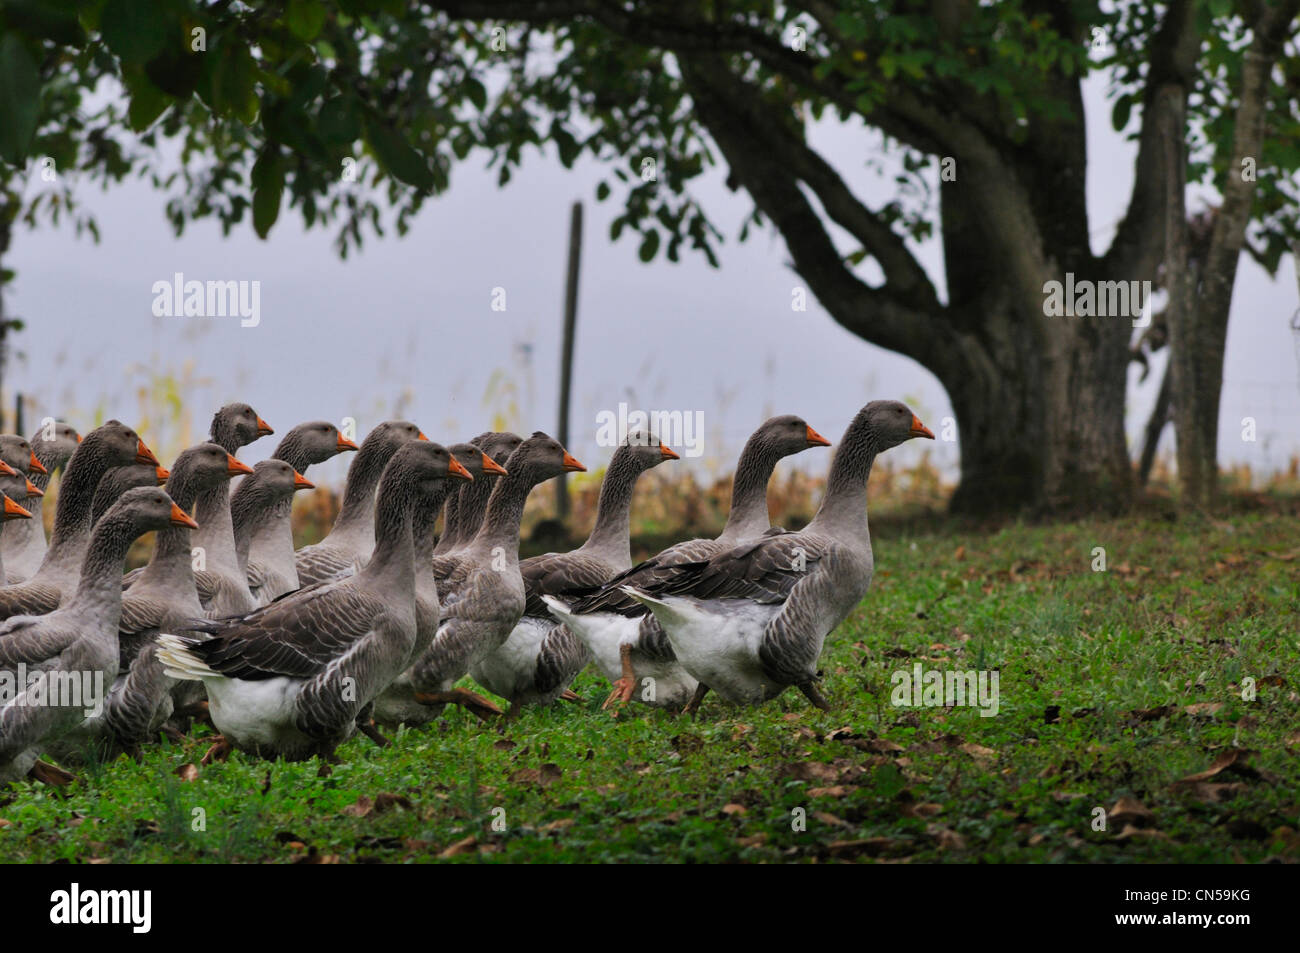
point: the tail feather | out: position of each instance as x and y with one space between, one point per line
668 613
179 662
558 609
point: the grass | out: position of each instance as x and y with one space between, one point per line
1114 687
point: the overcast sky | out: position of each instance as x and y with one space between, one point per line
406 326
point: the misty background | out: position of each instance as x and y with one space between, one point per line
405 327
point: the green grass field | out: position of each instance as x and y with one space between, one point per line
1128 688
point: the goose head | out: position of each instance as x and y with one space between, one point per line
202 467
314 442
891 422
787 435
276 480
644 451
18 453
475 461
55 444
143 509
541 457
11 510
421 468
120 445
113 484
237 425
498 444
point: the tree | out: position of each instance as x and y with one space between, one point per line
988 97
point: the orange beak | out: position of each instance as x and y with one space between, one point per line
235 467
143 454
33 490
423 437
817 440
15 512
78 438
491 466
300 482
181 518
36 465
7 470
570 464
919 429
667 454
457 469
263 428
162 476
346 444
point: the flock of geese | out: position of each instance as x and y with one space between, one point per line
290 652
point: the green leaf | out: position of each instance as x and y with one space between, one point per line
339 122
1221 8
1119 116
305 19
20 99
476 92
147 100
134 30
602 191
47 19
268 186
396 155
649 246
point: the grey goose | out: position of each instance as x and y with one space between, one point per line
751 621
483 597
222 586
541 657
112 445
74 647
163 597
293 678
624 638
268 561
466 507
25 545
353 535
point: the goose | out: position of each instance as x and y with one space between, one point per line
255 510
222 585
69 655
163 597
16 487
483 598
465 508
12 488
625 640
269 561
111 445
24 544
541 657
118 480
294 678
396 704
751 621
353 534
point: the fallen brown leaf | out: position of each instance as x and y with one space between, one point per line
188 772
466 846
1129 810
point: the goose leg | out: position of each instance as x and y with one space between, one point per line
693 706
366 725
569 695
50 774
471 701
625 686
219 751
328 758
814 695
